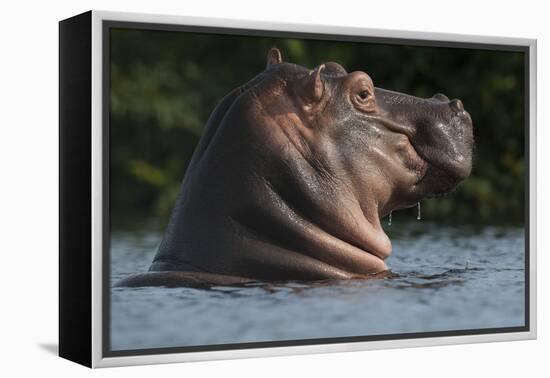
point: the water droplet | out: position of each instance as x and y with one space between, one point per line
418 215
389 219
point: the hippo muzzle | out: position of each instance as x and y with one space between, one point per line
439 129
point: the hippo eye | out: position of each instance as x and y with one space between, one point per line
364 95
364 100
361 92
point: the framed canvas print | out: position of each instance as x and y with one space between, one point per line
233 189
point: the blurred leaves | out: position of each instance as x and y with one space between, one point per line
165 84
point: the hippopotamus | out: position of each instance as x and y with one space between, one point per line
295 170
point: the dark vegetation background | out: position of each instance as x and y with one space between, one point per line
165 84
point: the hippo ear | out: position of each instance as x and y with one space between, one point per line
273 57
314 86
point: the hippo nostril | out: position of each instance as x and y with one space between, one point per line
457 105
440 97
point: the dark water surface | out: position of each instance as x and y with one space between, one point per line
449 278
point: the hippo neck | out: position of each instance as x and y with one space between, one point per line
270 222
337 234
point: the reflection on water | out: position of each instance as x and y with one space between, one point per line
444 278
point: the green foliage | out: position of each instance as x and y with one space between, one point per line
165 84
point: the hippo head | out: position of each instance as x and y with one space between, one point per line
297 166
390 148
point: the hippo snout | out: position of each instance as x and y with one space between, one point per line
440 130
446 141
